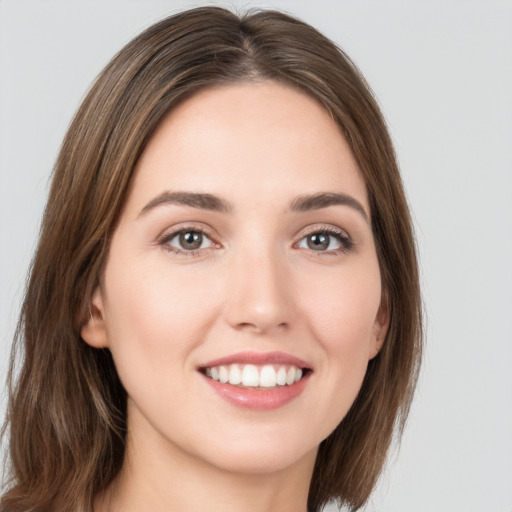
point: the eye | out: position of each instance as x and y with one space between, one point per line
186 241
325 241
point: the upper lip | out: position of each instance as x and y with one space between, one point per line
257 358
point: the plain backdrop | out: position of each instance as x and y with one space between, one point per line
443 74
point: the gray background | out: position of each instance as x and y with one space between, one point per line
443 74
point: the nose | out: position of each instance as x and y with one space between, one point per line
259 293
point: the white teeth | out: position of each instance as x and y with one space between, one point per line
281 376
268 377
223 374
250 375
235 375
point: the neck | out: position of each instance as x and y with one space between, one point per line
161 477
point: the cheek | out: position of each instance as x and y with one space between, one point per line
155 317
339 312
342 314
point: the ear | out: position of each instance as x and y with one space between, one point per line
94 330
380 328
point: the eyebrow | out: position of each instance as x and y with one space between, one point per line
214 203
326 199
192 199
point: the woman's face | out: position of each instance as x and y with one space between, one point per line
243 258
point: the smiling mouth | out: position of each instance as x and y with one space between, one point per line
251 376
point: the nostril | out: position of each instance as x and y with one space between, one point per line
261 327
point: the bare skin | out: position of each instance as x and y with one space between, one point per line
259 268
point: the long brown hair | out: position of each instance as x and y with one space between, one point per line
67 408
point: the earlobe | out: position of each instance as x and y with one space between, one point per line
380 329
94 331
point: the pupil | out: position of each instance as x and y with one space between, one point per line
318 242
191 240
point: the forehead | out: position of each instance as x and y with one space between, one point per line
248 140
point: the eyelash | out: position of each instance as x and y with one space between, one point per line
167 237
347 244
345 241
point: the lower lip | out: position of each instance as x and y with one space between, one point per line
258 399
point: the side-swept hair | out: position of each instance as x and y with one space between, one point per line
67 408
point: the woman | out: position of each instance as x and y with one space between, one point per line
223 309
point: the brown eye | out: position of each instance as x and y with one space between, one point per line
190 240
318 241
186 241
326 241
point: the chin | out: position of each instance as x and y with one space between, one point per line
263 455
